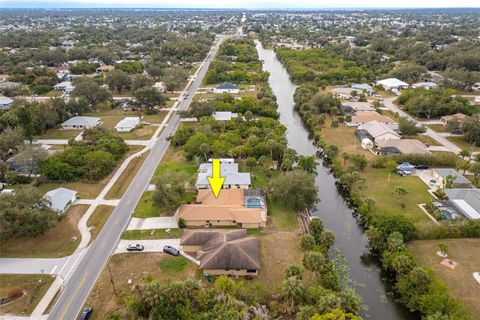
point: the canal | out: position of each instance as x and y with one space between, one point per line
332 209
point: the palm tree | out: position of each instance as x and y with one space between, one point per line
293 290
205 149
465 153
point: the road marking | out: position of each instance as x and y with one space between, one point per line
54 268
76 292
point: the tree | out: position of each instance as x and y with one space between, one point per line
11 141
336 314
475 169
149 97
118 80
293 271
465 153
307 242
248 115
294 291
401 192
307 163
316 229
89 90
471 128
25 214
409 128
296 188
201 109
170 188
327 239
140 81
251 162
204 148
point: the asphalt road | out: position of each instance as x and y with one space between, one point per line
83 278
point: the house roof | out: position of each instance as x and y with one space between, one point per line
224 115
224 249
358 105
459 178
405 146
377 129
362 86
227 86
457 116
106 68
59 198
128 122
392 82
428 85
64 84
368 116
227 170
81 121
5 100
225 197
466 200
201 212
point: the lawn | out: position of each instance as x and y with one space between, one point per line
112 116
344 138
425 140
152 234
133 268
140 133
460 282
278 250
55 242
174 160
121 185
283 218
98 219
59 134
437 127
35 287
462 143
382 191
146 209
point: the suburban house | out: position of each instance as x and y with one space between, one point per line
160 86
392 84
227 87
5 102
60 199
363 117
352 107
224 115
342 92
229 170
426 85
376 131
464 201
459 117
459 182
104 69
127 124
81 123
363 87
223 252
402 146
233 207
65 86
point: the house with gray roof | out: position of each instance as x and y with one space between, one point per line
127 124
223 252
465 201
81 123
362 87
233 178
60 199
227 87
5 103
459 181
224 115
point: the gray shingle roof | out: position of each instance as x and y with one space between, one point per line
81 121
444 172
227 86
59 198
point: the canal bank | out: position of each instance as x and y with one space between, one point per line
365 273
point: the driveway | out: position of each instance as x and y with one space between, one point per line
153 223
150 245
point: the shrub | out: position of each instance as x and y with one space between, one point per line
15 293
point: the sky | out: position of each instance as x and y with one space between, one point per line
254 4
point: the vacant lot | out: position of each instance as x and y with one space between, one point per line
34 287
140 133
462 143
460 282
437 127
283 218
56 242
174 160
58 133
121 185
125 267
429 141
344 138
380 186
98 219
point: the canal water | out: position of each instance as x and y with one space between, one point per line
332 209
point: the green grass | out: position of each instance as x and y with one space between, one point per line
173 264
437 127
58 133
462 143
175 166
98 219
54 93
146 208
425 139
283 218
151 234
382 191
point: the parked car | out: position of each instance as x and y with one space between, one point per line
86 313
421 166
135 247
171 250
405 172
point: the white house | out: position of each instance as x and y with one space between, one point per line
65 86
227 87
127 124
224 115
5 102
362 87
81 123
379 131
160 86
392 84
233 178
60 199
426 85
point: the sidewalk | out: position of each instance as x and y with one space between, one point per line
153 223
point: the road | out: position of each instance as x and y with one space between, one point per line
83 278
450 146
